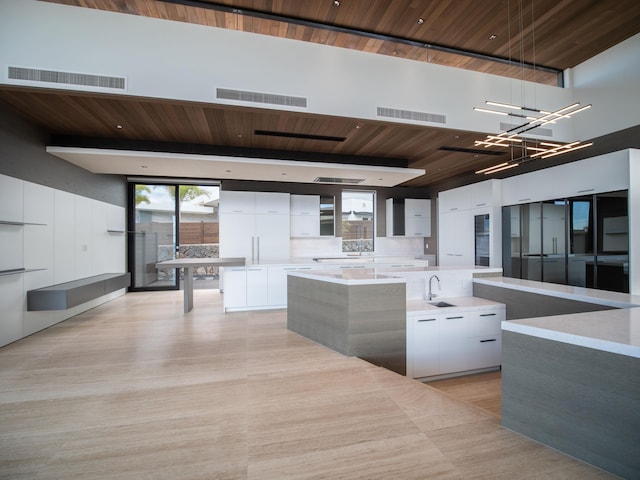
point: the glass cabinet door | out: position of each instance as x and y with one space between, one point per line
553 241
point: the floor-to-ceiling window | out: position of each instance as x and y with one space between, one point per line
171 221
580 241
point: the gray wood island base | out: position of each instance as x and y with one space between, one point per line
573 382
353 315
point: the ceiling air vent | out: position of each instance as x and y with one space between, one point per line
350 181
256 97
543 132
29 75
409 115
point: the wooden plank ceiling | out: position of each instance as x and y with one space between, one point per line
566 33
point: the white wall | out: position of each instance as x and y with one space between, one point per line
183 61
611 83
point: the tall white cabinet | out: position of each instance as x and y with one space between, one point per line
254 225
48 237
457 210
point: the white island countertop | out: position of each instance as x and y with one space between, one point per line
580 294
615 331
361 276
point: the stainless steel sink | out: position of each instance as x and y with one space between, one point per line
441 304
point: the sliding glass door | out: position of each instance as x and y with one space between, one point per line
169 221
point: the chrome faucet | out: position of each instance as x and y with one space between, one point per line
432 295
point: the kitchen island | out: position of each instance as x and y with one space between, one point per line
571 369
358 313
363 312
573 382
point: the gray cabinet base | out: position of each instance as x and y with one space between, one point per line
581 401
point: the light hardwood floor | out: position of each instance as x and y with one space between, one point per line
481 389
136 389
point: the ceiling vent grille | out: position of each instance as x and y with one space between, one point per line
67 78
409 115
256 97
543 132
348 181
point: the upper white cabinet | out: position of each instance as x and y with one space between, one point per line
527 188
305 215
305 205
476 195
453 200
237 202
409 217
604 173
272 203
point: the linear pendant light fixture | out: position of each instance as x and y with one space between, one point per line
531 148
530 118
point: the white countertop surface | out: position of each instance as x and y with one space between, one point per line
581 294
615 331
360 276
460 304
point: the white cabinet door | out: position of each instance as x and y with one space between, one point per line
272 237
273 203
604 173
454 348
527 188
417 220
305 204
83 237
480 194
454 200
237 202
417 207
417 227
455 240
484 351
11 306
235 287
305 215
257 286
237 235
305 225
425 345
278 284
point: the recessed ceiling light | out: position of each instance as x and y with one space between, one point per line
144 166
420 21
228 171
118 126
493 36
336 3
283 174
456 136
239 135
358 126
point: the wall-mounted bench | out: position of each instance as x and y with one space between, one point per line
70 294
